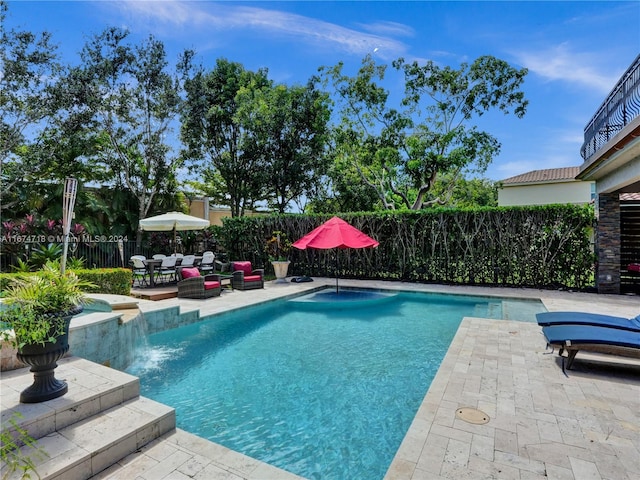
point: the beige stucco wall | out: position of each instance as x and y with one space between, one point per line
543 194
197 209
216 214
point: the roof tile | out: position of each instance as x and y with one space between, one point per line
544 176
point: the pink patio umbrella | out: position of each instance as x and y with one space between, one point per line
335 233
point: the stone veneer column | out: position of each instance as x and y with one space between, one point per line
608 243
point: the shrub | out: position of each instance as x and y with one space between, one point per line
542 247
115 281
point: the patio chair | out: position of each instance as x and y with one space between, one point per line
193 285
547 319
167 270
589 338
207 264
139 270
158 256
246 278
222 267
187 260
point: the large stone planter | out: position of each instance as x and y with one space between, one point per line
43 360
281 267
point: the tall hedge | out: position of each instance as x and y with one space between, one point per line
544 247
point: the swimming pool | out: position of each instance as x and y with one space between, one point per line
321 392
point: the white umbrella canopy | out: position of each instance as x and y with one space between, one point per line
172 222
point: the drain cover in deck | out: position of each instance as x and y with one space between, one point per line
472 415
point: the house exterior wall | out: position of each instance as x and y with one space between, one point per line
608 243
216 214
615 168
197 209
544 194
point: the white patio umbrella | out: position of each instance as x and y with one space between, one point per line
173 221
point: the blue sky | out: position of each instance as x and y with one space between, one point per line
575 51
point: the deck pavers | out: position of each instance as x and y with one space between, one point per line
543 425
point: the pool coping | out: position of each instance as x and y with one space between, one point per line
427 453
438 445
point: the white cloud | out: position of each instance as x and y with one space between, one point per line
560 148
389 28
511 169
175 13
560 63
220 17
572 137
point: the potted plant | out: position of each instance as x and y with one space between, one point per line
277 248
37 309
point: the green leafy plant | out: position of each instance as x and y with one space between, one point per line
35 305
116 281
543 246
12 456
21 266
75 263
51 253
278 247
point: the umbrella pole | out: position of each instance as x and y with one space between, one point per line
337 265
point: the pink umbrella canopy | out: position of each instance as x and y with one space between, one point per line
335 233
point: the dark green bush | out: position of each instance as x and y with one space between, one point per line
107 280
543 247
116 281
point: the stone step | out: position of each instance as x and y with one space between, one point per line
92 388
100 420
83 449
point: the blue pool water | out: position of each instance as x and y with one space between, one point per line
326 393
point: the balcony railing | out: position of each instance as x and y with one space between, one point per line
618 110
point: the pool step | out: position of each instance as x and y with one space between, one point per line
488 310
92 427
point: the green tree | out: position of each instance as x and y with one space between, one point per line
217 143
30 66
399 152
126 95
369 135
463 192
287 126
342 189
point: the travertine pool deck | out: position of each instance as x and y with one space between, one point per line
542 424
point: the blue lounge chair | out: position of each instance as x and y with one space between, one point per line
581 318
589 338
